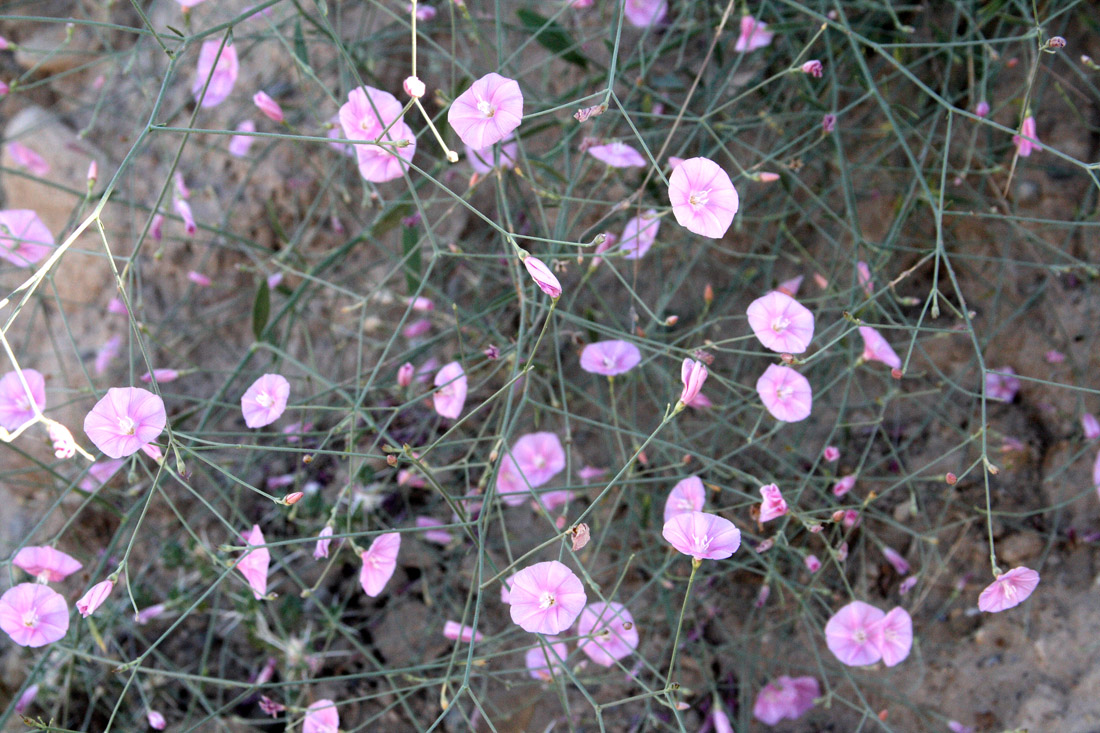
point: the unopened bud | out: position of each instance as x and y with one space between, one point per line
414 87
767 177
672 320
93 173
896 373
292 498
787 358
951 479
391 460
1056 42
708 294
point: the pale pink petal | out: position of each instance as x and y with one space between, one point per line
852 634
703 198
645 13
608 632
265 400
24 239
450 395
379 563
686 496
543 662
610 357
754 35
876 348
781 323
254 563
785 393
701 535
487 112
125 420
773 505
222 61
639 234
894 636
321 717
1008 590
617 155
15 405
46 562
546 598
33 614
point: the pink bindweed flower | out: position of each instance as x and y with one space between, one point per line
24 157
844 485
156 720
546 598
265 400
539 457
94 598
617 155
754 35
876 348
1028 140
323 541
424 12
26 699
64 446
239 145
1003 386
543 277
1008 590
15 405
687 496
781 323
254 563
450 394
486 159
720 720
417 328
543 661
639 234
894 636
645 13
437 536
379 563
814 68
149 613
774 505
828 123
161 375
199 279
900 564
321 717
1090 426
268 106
366 114
24 239
405 374
221 66
125 421
181 186
487 112
33 614
982 109
184 210
46 563
156 227
100 473
956 727
608 633
786 394
790 287
785 698
831 454
610 358
812 563
703 198
853 634
907 584
454 631
1054 357
701 535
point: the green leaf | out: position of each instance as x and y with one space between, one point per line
261 310
410 247
300 44
390 218
552 36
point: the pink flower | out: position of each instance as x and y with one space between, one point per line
417 328
701 535
541 662
1008 590
184 210
379 562
405 374
617 155
156 720
982 109
901 565
644 13
785 393
254 563
24 239
546 598
542 276
853 634
239 145
361 121
100 473
774 505
24 157
785 698
451 393
107 353
268 106
438 536
781 323
1028 139
1003 386
831 454
424 12
33 614
814 68
608 632
321 717
907 584
687 496
220 65
720 720
26 699
454 631
323 541
828 123
703 197
15 405
812 563
414 87
754 35
895 636
486 112
610 357
265 400
125 421
554 499
844 485
876 348
1089 425
149 613
94 598
639 234
486 159
693 374
161 375
46 563
199 279
1054 357
790 287
539 457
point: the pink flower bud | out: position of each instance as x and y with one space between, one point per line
414 87
950 478
762 596
93 173
828 123
405 374
4 89
542 276
157 227
94 598
268 106
844 485
767 177
293 498
199 279
184 210
812 563
982 109
693 374
832 454
156 720
813 68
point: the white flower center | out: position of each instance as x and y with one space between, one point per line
30 618
22 403
860 636
539 461
700 543
265 400
783 392
780 323
485 108
608 362
546 600
699 198
126 425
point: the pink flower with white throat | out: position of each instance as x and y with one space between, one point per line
703 198
126 420
617 155
610 358
853 634
379 563
15 404
773 506
785 698
254 563
688 495
786 394
486 112
45 563
366 115
692 374
24 239
702 536
781 323
265 400
639 234
546 598
1008 590
450 395
608 632
33 614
